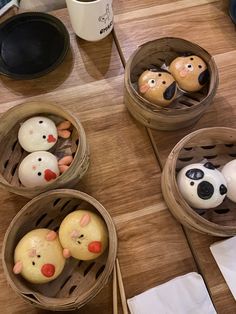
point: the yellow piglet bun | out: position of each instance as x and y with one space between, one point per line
39 256
83 235
157 86
190 72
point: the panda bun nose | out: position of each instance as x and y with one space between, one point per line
223 189
205 190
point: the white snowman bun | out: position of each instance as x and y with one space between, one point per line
202 186
38 168
37 133
229 172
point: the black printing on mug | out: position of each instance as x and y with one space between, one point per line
106 16
105 29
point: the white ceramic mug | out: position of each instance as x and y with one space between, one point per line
91 20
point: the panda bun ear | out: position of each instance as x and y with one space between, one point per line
209 165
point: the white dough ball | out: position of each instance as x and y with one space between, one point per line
37 133
38 168
201 185
229 172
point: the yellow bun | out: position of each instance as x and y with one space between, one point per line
190 73
158 87
83 235
38 256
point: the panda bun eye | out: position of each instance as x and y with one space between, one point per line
209 165
194 174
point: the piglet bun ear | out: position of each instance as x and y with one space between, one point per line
52 235
17 268
66 253
85 220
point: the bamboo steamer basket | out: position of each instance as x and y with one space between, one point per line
11 153
217 145
188 107
80 281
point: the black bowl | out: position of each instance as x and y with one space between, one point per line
31 45
232 10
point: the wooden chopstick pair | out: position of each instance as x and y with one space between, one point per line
117 275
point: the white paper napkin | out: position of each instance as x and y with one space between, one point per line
183 295
224 253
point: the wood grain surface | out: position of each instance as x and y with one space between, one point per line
206 23
124 174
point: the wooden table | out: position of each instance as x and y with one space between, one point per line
207 23
124 174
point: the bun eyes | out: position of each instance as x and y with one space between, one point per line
152 83
190 67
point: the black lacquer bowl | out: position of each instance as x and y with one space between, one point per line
31 45
232 10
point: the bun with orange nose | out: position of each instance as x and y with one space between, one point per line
37 133
158 87
83 235
40 133
38 168
190 72
38 256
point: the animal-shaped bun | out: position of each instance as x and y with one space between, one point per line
190 72
38 168
201 185
38 256
229 172
158 87
83 235
37 133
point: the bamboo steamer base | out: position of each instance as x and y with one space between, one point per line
156 120
187 108
11 153
80 281
217 145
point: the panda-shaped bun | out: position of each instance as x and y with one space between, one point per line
201 185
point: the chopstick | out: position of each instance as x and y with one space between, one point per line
121 288
115 304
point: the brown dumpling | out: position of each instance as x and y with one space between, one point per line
158 87
190 72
